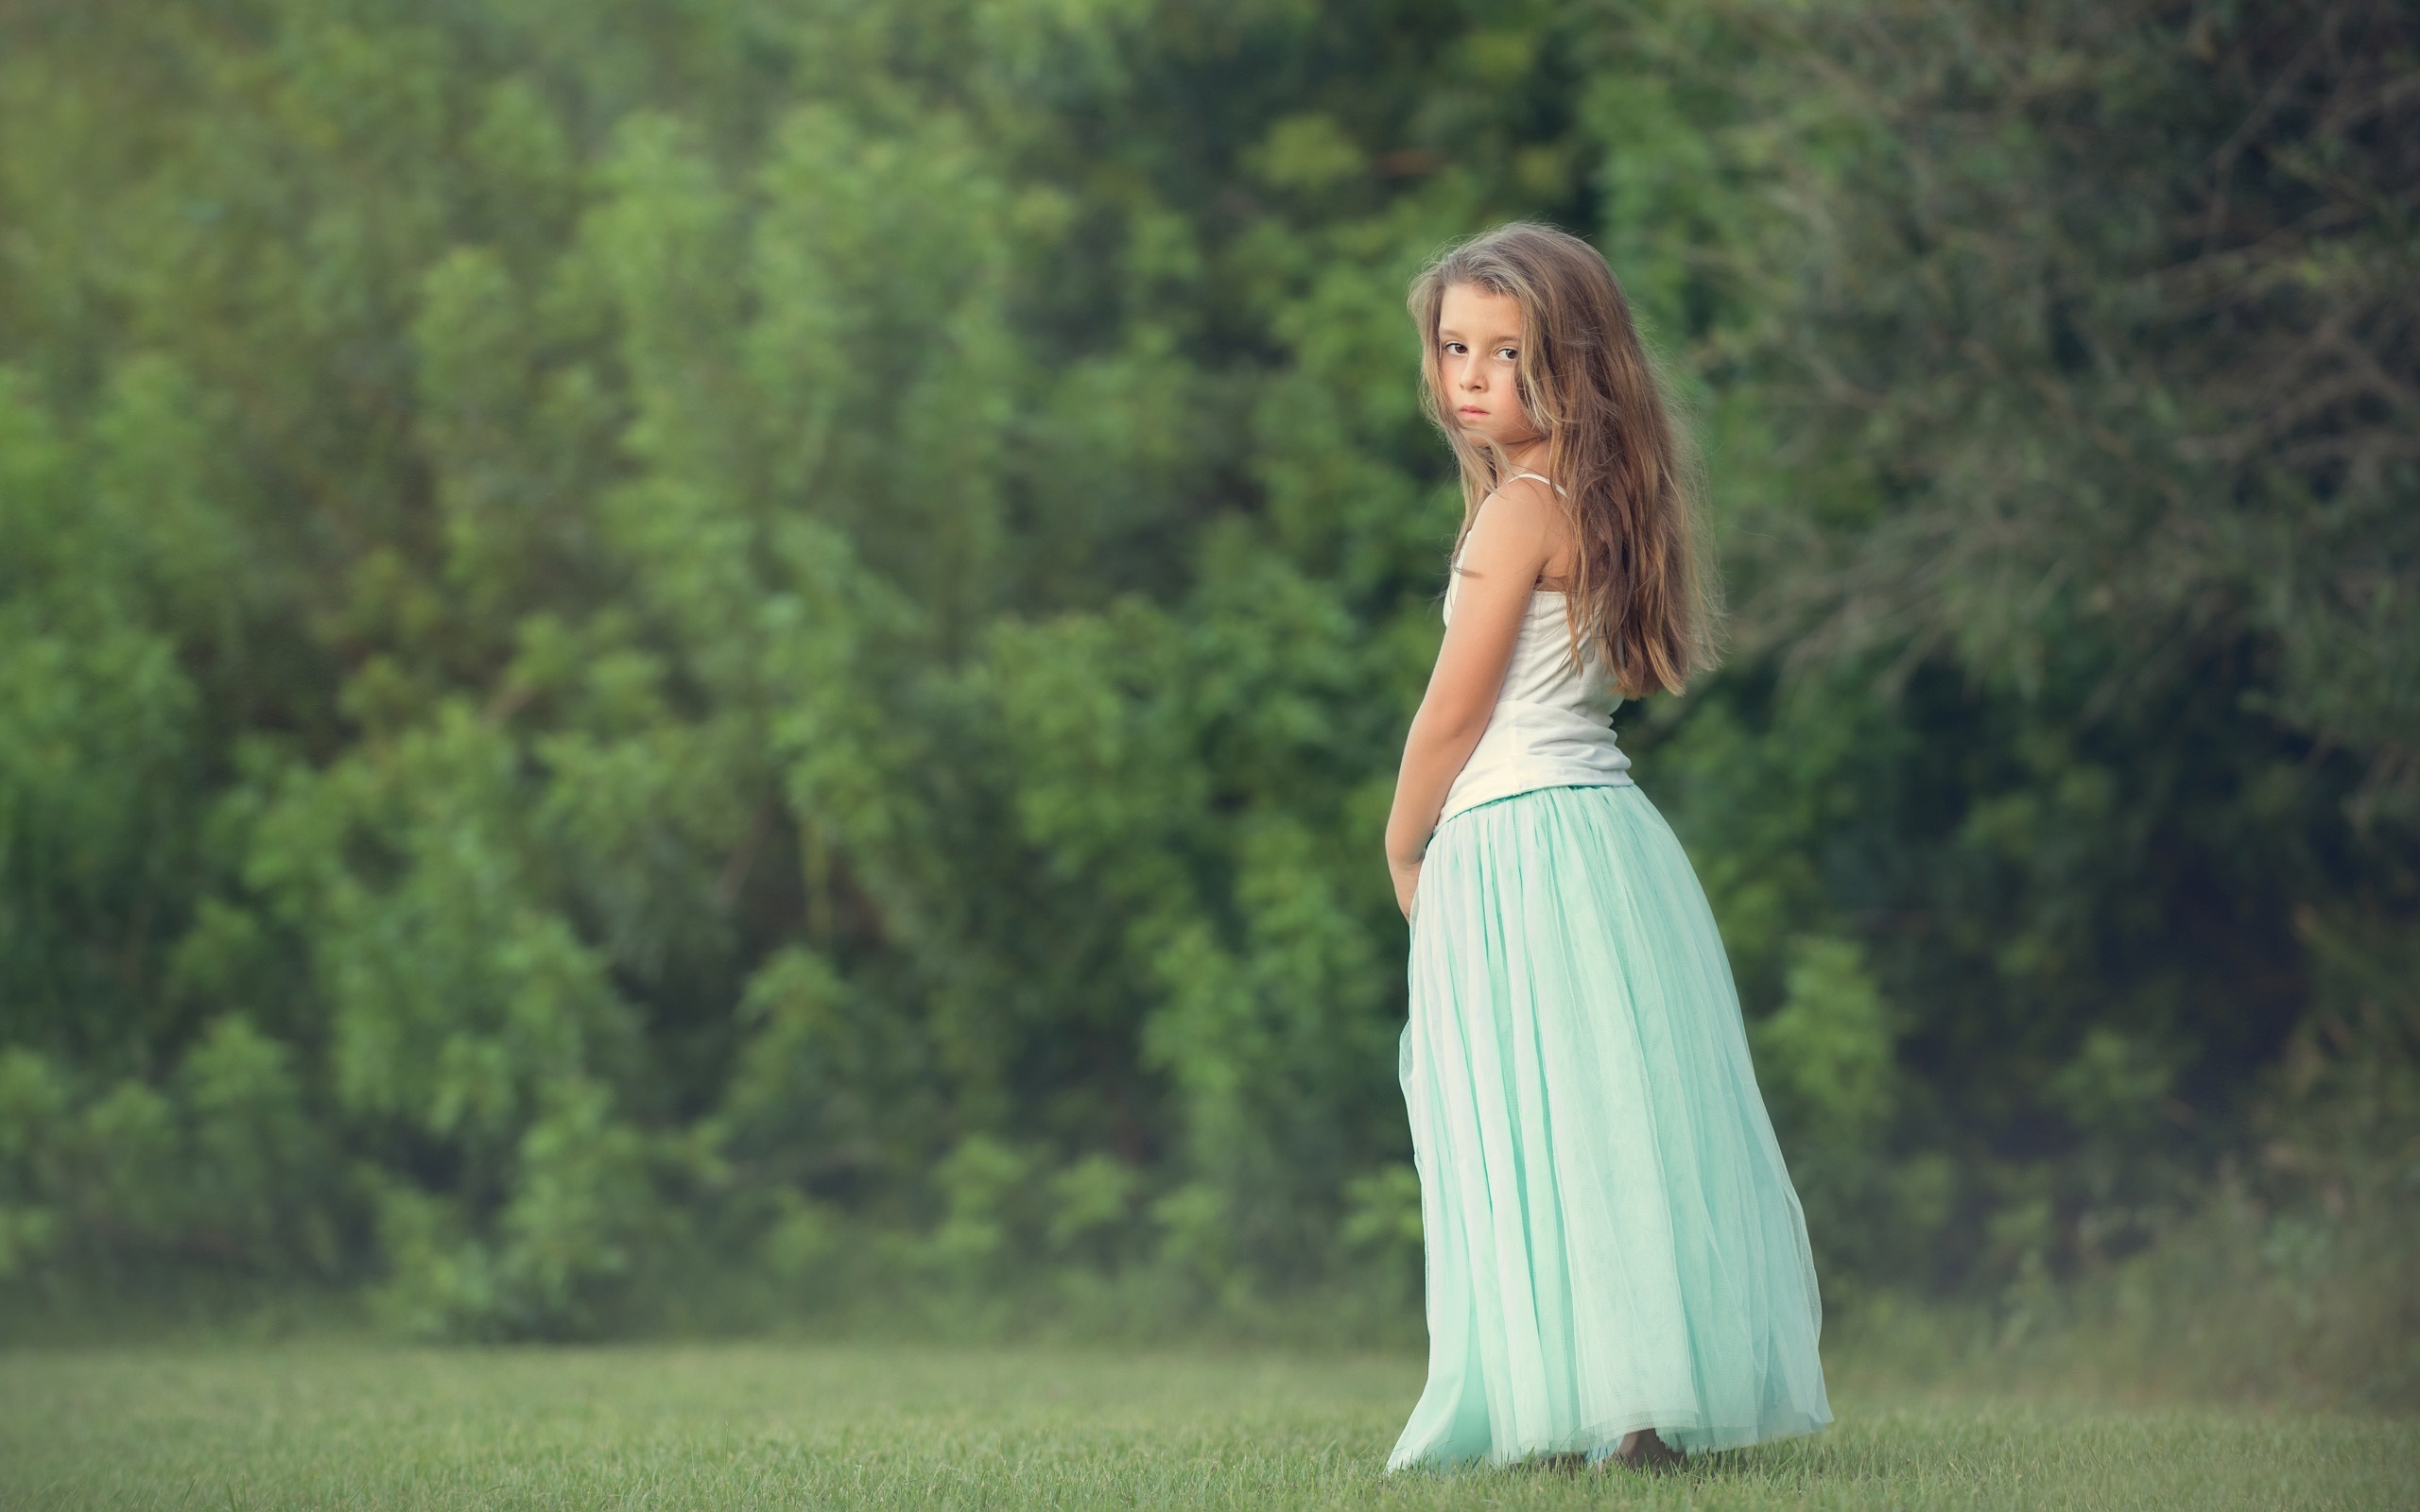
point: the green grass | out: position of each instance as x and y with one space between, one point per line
807 1426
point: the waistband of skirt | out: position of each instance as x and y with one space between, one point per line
1492 800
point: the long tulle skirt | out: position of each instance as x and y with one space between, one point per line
1612 1240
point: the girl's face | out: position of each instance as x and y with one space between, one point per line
1479 355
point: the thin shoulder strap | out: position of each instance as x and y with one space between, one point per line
1548 482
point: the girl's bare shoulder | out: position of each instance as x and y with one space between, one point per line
1530 522
1522 507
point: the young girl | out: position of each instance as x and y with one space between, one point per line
1616 1261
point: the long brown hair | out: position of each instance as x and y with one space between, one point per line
1640 593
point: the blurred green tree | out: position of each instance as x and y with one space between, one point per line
660 643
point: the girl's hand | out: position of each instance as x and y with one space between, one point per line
1407 878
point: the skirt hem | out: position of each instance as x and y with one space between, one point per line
1601 1439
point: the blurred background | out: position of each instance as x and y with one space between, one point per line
736 665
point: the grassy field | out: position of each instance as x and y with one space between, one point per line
814 1426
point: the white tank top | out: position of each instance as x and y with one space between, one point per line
1553 724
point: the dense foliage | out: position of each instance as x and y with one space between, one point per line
768 639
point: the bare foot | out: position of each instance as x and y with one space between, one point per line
1646 1450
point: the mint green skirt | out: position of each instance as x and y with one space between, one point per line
1612 1241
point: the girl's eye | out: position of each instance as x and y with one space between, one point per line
1455 347
1508 354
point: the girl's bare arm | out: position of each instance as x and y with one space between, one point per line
1510 543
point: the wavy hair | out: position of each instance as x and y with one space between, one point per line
1640 589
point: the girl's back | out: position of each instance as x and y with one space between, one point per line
1552 719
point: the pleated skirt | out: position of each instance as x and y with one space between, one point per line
1612 1241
